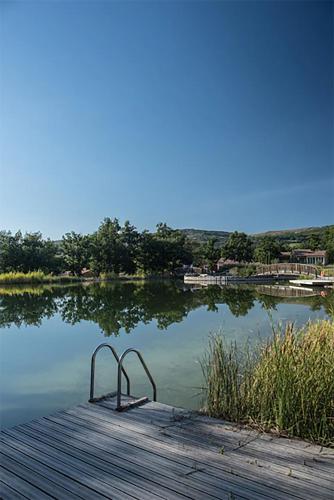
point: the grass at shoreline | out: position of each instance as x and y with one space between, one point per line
286 385
38 277
35 277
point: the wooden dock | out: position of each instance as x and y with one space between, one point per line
223 280
156 451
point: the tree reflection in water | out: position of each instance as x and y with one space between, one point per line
123 305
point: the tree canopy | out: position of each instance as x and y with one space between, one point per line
211 253
27 252
267 251
239 247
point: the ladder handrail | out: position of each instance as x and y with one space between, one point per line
92 369
119 376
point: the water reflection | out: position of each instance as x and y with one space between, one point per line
116 306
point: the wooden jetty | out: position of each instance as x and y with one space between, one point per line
156 451
208 279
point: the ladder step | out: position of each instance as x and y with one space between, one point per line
120 371
133 404
101 398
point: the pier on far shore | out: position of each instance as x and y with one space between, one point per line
266 274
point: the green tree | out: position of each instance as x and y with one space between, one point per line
10 251
174 248
238 247
75 251
163 251
164 232
39 254
328 243
267 250
107 247
129 239
27 253
148 256
211 253
314 242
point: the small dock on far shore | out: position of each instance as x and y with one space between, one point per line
317 282
156 452
208 279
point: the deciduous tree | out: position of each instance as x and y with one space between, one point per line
238 247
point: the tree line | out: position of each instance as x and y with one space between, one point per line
114 249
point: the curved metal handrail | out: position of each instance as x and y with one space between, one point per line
92 370
119 377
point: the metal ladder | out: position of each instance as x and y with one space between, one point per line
120 370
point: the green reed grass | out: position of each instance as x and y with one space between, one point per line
286 384
32 277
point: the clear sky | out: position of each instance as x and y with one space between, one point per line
213 115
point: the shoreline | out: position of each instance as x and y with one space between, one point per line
62 280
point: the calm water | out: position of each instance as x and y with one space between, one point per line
48 334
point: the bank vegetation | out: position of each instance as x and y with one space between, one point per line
285 385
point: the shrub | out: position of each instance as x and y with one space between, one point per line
246 271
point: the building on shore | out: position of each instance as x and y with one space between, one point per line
305 256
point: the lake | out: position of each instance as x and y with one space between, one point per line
48 334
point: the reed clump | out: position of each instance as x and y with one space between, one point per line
285 384
34 277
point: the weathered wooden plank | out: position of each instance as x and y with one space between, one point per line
283 467
155 414
208 426
308 449
141 425
298 444
205 452
137 481
76 468
157 451
169 468
8 493
41 475
95 456
184 475
230 486
214 464
25 481
223 477
319 466
304 465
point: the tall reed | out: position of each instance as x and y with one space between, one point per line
286 384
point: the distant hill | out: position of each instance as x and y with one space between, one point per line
286 236
203 235
306 231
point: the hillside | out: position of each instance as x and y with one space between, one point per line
287 236
203 235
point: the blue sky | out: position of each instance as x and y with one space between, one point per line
213 115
